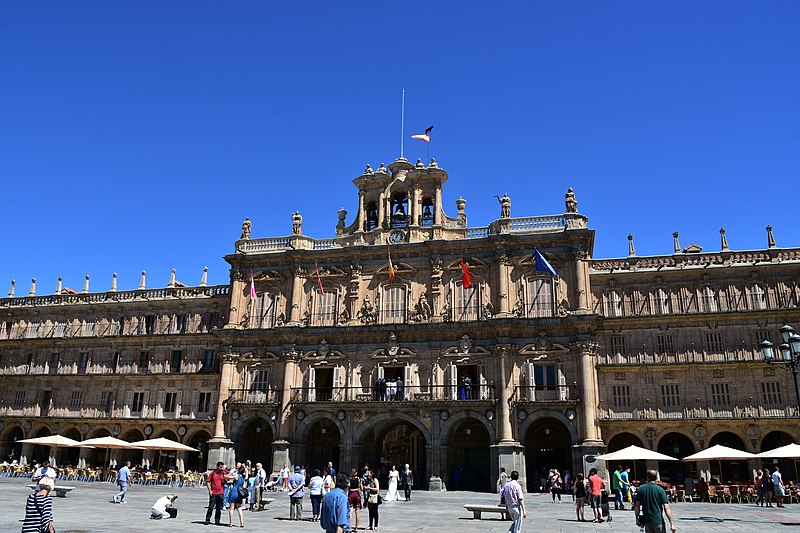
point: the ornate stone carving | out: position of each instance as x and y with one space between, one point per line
297 223
464 344
570 203
505 206
246 227
519 306
393 347
447 312
324 348
422 309
367 314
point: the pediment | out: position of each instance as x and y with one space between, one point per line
267 275
331 272
471 262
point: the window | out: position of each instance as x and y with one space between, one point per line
394 305
540 297
720 394
713 342
118 326
771 394
31 363
708 300
614 304
87 328
324 308
83 362
467 303
54 360
756 298
19 399
181 322
663 303
33 330
426 219
545 377
175 361
209 321
114 364
621 395
58 328
617 345
204 403
665 344
209 361
170 402
259 380
5 329
138 402
670 396
149 324
264 318
144 362
75 400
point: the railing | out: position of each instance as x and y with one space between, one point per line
544 223
645 412
254 397
117 296
741 356
478 233
414 393
324 244
546 394
703 260
275 244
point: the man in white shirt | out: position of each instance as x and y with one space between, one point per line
161 509
261 482
44 471
515 503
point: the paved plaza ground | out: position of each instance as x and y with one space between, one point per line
88 508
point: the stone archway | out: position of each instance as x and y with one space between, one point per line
39 453
98 456
196 461
134 456
12 449
70 456
548 444
254 442
468 462
675 445
776 439
319 441
623 440
735 471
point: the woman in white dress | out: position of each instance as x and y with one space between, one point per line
394 478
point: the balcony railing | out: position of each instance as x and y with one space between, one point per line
254 397
737 356
417 394
546 394
695 413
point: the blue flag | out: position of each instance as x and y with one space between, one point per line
542 265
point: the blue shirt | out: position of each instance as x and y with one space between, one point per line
124 474
297 480
335 511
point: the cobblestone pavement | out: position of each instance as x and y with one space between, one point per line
88 508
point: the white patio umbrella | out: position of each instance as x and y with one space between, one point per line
107 443
52 440
720 453
790 451
162 443
635 453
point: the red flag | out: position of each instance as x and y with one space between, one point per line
424 137
391 266
466 276
252 286
319 279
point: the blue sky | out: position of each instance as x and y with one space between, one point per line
138 135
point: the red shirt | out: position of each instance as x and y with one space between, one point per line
217 481
595 484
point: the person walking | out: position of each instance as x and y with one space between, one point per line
502 479
595 493
555 485
123 480
759 488
39 509
579 494
373 500
407 480
616 486
315 494
335 514
297 485
777 486
651 505
766 487
215 483
236 495
355 488
515 503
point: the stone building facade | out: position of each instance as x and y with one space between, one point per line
375 346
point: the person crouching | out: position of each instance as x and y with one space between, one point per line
164 507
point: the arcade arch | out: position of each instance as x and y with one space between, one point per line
548 444
675 445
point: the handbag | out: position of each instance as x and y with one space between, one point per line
380 500
242 492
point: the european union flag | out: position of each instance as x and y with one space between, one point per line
542 265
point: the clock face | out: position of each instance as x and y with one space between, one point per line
396 237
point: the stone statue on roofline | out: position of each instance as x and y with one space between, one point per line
505 206
246 227
571 204
297 223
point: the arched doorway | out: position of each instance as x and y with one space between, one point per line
40 454
401 444
134 456
548 444
196 461
256 443
788 467
621 441
732 471
14 446
70 456
166 459
98 456
679 446
469 460
324 444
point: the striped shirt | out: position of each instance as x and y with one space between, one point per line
38 513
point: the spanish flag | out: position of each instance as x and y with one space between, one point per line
424 137
252 286
466 275
391 266
319 279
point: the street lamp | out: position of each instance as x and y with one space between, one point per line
789 353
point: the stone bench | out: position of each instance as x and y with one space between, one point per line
478 509
60 490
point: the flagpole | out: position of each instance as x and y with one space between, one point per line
403 122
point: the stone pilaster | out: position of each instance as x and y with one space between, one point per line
588 379
581 275
298 276
291 357
220 447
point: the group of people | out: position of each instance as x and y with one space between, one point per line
770 485
388 390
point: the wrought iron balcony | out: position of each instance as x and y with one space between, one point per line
650 412
545 394
254 397
413 394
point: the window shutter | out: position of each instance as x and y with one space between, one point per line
482 388
562 384
407 379
337 384
178 404
452 382
195 406
126 411
530 382
146 404
312 387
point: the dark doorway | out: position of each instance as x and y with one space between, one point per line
70 456
678 446
14 446
134 456
323 384
256 443
732 471
469 460
196 461
548 445
41 454
403 444
324 444
621 441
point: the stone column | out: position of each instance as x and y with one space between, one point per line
362 216
588 407
581 288
239 304
381 210
503 278
298 274
220 447
289 376
508 453
437 212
